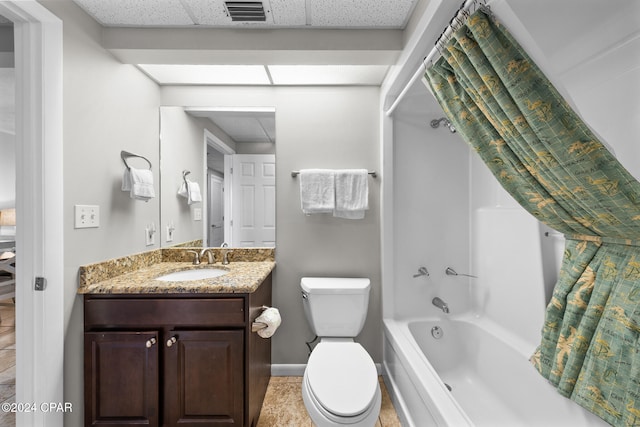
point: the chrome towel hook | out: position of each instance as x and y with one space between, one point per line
451 272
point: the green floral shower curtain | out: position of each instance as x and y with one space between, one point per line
555 167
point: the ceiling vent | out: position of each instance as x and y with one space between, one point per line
245 11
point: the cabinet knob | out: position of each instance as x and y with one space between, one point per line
151 342
171 341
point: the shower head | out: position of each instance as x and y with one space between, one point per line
436 123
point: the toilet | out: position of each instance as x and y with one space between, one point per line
340 384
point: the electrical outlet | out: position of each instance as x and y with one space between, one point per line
197 214
87 216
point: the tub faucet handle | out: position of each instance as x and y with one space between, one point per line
451 272
422 271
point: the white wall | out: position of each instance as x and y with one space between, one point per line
326 127
182 148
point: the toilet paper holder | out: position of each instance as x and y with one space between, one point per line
258 326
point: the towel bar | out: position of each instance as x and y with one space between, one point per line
296 173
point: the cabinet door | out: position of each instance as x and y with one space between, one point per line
204 378
121 378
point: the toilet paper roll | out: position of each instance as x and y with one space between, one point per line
270 317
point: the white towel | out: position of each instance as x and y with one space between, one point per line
317 191
139 184
352 193
191 191
270 317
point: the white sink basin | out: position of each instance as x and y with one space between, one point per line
195 274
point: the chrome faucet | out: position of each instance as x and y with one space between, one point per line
210 257
196 257
440 304
225 253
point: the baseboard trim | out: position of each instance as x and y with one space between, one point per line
297 370
288 370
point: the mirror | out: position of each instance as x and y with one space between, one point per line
230 154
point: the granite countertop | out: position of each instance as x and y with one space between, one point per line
242 277
136 273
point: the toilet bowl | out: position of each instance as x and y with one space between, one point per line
340 384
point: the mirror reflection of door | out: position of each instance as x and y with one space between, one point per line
216 210
253 200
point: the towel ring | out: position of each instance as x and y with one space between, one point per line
184 176
124 155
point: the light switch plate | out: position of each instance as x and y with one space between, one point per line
87 216
197 214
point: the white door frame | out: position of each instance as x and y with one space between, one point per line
210 202
39 208
211 139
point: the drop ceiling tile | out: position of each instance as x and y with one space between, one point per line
289 12
360 13
243 130
268 123
137 12
209 12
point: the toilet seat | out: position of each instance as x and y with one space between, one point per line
342 378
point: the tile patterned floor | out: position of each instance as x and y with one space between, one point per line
7 360
283 406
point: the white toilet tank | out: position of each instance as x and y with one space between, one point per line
334 306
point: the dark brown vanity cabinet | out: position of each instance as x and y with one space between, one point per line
175 359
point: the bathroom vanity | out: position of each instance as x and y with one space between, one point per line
171 354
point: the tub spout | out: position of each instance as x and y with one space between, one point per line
440 304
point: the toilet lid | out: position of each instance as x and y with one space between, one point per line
342 377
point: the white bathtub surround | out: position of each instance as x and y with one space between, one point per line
487 368
508 260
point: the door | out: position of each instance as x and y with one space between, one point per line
40 332
216 211
204 378
121 378
254 200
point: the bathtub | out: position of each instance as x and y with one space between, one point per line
475 374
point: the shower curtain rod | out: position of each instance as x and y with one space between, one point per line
464 8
